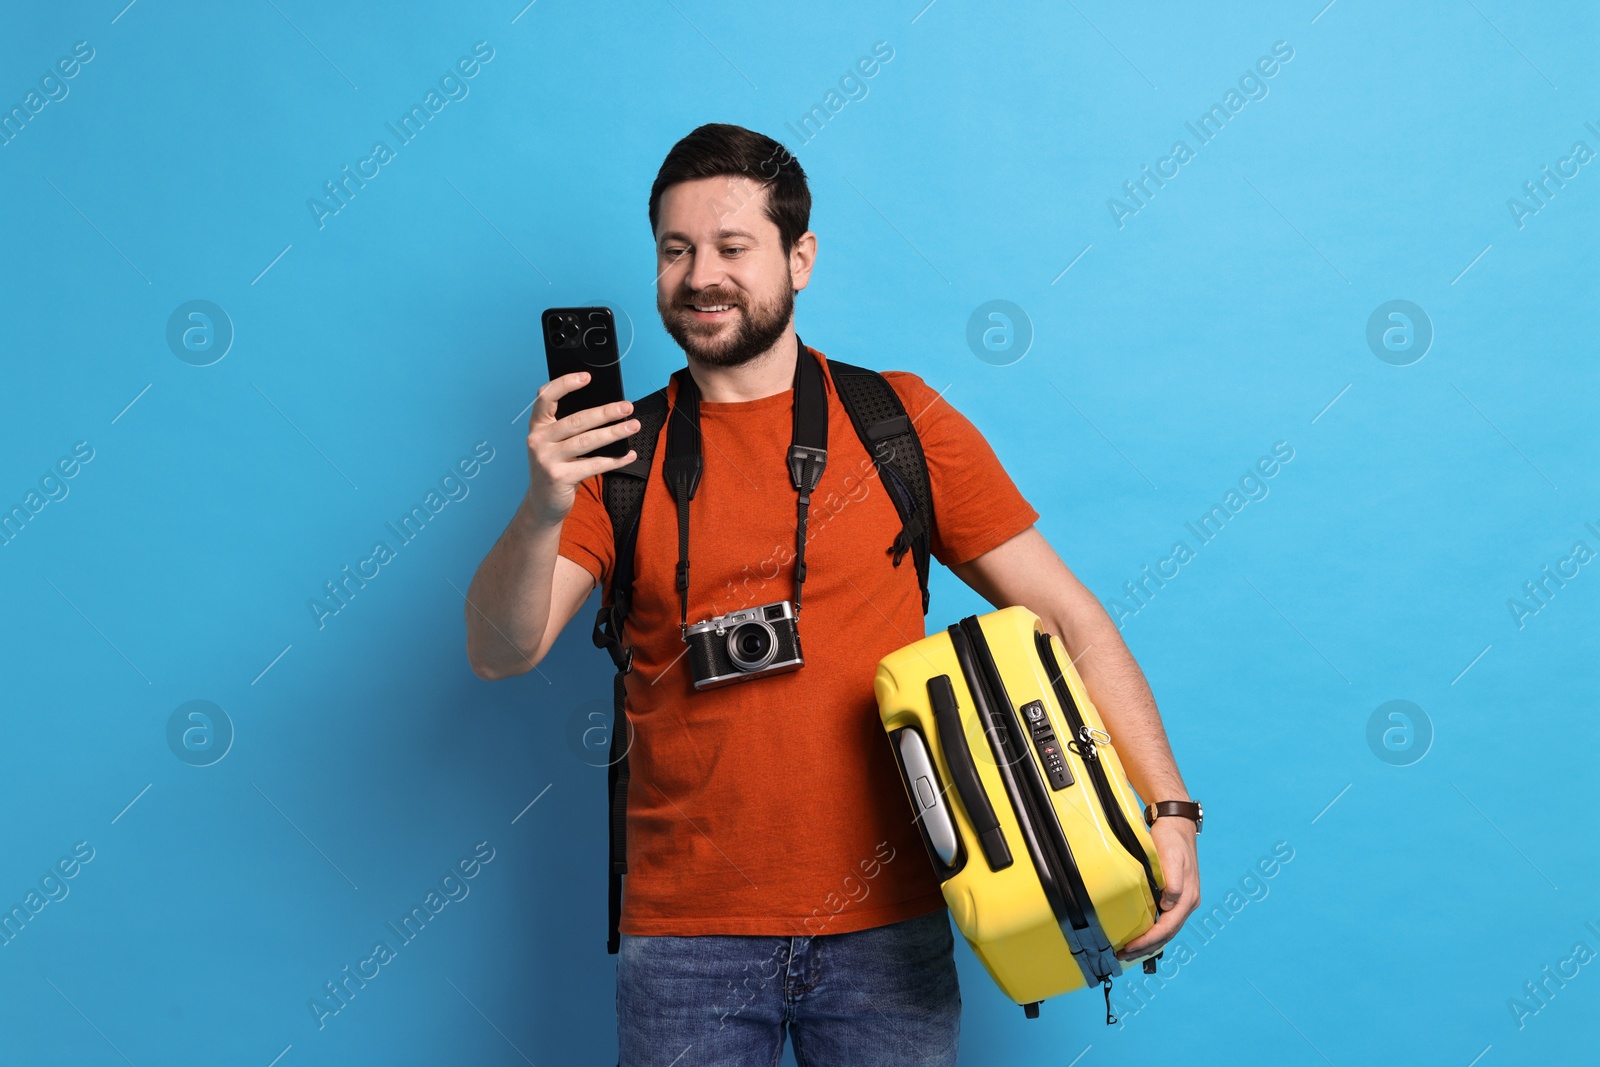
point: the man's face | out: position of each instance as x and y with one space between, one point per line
716 249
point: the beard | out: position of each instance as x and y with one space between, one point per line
754 329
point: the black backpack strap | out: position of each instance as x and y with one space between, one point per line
891 440
623 492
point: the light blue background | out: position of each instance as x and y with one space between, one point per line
1226 315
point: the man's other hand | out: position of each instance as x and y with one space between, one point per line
1174 838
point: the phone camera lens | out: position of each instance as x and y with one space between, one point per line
564 329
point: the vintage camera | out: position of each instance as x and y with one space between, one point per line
745 644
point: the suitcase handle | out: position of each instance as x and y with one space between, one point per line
953 742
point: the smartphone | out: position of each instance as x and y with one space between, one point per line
585 339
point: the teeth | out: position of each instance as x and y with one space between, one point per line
713 307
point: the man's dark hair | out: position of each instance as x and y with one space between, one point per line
718 149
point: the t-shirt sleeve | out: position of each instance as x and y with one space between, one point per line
586 532
976 505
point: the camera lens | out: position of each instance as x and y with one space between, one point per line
564 329
752 645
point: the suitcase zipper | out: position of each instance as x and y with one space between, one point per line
990 706
1091 948
1086 739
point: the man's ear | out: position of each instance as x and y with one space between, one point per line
802 257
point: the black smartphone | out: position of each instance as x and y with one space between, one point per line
585 339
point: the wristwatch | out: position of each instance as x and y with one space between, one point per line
1187 809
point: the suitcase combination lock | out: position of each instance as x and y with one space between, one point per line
1044 739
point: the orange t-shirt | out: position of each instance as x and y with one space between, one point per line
773 806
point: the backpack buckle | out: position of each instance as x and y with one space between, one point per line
882 434
608 635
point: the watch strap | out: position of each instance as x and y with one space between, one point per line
1188 809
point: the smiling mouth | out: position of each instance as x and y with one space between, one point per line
711 312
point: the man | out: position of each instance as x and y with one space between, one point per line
774 875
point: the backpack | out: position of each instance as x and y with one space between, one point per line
886 431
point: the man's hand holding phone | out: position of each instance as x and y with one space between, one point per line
556 446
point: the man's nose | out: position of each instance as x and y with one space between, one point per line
705 272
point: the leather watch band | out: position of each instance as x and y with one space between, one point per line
1186 808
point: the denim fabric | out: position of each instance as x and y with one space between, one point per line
885 997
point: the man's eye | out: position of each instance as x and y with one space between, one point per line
733 250
674 252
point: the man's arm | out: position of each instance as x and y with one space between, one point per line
521 598
1026 571
525 592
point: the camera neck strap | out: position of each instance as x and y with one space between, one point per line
808 455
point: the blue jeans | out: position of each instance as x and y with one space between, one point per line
885 997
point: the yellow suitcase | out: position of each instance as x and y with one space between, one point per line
1029 820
